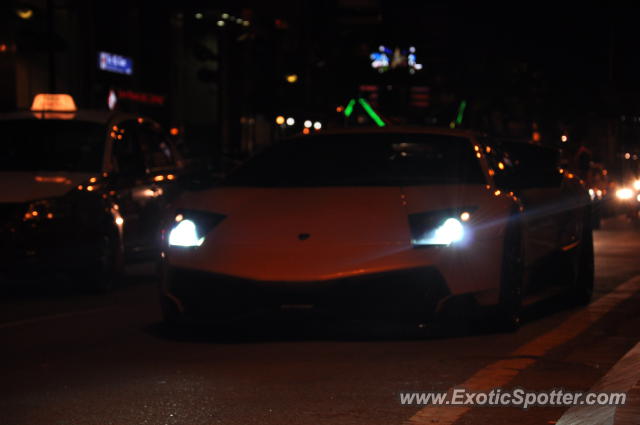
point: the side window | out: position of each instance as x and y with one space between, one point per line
155 149
501 168
549 160
529 166
128 156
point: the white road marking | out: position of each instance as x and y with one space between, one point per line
52 317
621 378
500 373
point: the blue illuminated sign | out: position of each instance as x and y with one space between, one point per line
115 63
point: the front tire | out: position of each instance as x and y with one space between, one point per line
584 283
512 275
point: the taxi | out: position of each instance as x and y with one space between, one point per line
80 191
405 223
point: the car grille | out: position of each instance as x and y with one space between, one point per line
397 293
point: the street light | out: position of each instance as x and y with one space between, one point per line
24 13
280 120
292 78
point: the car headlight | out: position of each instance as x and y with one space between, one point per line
624 193
191 227
636 185
442 228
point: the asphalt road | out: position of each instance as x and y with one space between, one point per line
87 359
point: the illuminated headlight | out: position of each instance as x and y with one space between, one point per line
191 227
636 185
449 232
592 194
624 193
439 228
185 234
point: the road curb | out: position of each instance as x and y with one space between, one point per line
623 377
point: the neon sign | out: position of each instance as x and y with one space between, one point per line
115 63
386 58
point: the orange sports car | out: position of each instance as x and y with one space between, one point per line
393 222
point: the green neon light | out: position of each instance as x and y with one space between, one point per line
463 106
375 117
349 109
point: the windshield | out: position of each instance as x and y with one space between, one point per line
52 145
362 159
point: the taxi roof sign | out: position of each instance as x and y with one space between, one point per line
53 103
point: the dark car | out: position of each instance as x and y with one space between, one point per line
80 191
558 218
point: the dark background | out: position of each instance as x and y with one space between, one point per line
522 69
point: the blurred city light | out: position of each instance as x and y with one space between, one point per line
624 193
292 78
53 102
280 120
291 121
564 138
460 115
349 109
24 13
307 124
317 125
372 114
198 15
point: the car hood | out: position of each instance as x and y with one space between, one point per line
16 187
325 215
317 233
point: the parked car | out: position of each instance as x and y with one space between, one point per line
80 191
557 219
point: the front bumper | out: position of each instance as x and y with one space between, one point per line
195 296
